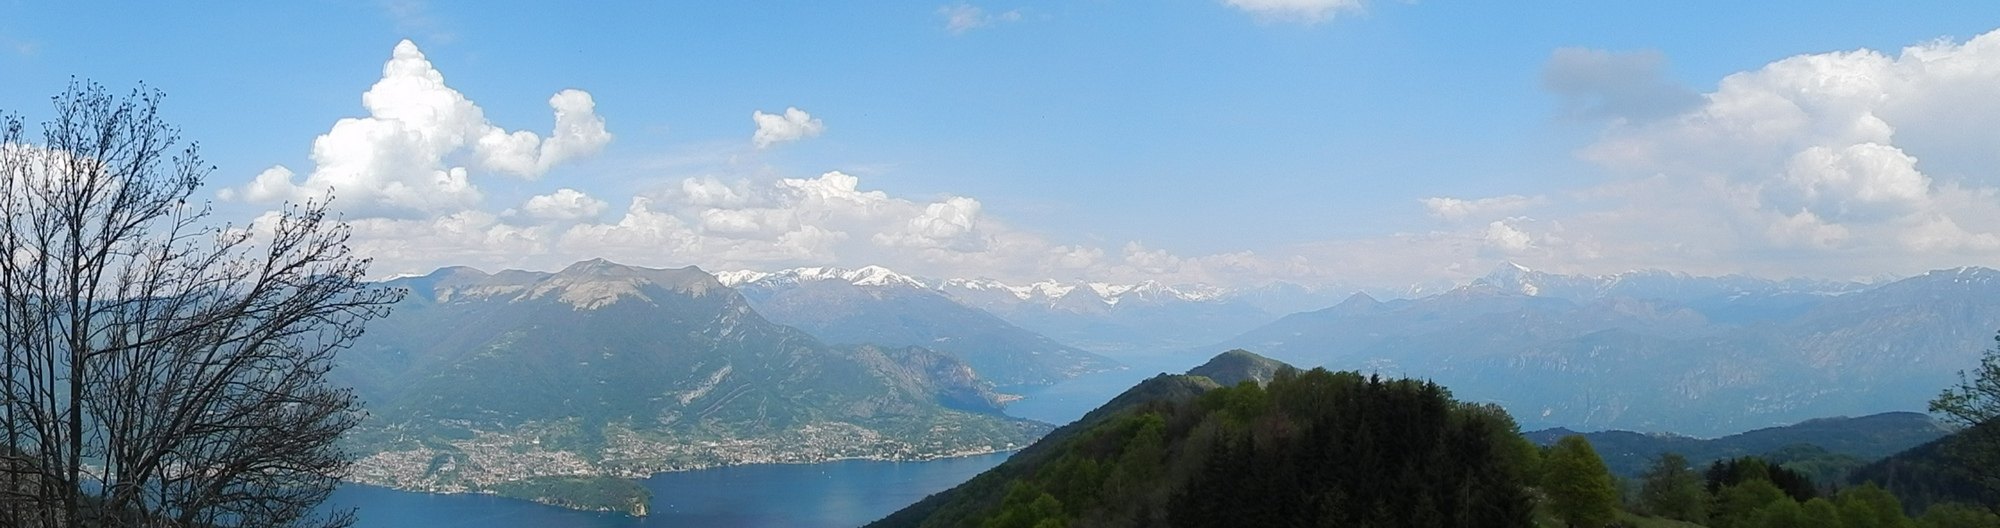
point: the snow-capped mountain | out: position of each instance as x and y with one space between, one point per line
876 305
1649 284
864 276
1098 316
1652 350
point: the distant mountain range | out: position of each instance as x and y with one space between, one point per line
479 379
498 382
1147 317
1863 439
1655 351
877 306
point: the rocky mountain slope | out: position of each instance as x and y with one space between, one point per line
601 370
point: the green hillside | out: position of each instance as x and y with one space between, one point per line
1314 448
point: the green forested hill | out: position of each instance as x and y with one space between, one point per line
1311 448
1804 445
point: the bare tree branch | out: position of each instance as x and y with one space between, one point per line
156 370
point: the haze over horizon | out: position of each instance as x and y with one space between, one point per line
1350 142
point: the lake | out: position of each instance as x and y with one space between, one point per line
845 493
833 494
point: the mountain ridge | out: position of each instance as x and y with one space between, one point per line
600 372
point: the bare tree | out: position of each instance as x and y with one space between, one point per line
157 369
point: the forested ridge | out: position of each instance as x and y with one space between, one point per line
1311 448
1285 447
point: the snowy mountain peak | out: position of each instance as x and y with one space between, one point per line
739 277
865 276
1051 292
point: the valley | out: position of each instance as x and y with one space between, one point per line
460 414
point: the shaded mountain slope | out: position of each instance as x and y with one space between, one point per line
1864 438
875 305
1311 448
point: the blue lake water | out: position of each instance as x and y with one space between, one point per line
834 494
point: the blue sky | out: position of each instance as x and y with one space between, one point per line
1320 141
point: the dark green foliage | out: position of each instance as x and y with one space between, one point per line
1309 449
1820 513
1822 448
1869 506
1929 474
1779 514
1824 468
1580 489
1739 470
1956 515
963 505
1673 490
1737 505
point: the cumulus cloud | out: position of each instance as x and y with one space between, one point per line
961 18
792 125
1858 162
1598 84
1506 238
943 224
1307 11
564 204
405 156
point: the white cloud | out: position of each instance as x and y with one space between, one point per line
946 224
1854 163
1504 237
403 158
792 125
961 18
1307 11
1455 209
564 204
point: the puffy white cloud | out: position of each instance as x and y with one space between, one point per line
564 204
1507 238
1151 261
708 191
945 224
1861 181
403 158
792 125
1308 11
1852 163
961 18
